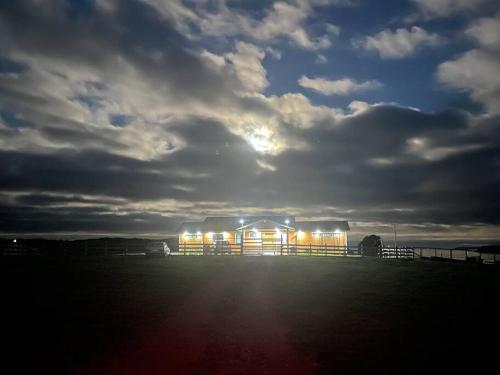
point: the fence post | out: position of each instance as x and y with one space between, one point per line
310 249
184 248
451 254
241 244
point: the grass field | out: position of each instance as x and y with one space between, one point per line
247 315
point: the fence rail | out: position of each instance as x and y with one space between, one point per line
140 247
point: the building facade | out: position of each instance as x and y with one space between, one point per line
271 235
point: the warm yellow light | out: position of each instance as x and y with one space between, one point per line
225 234
186 233
300 234
210 234
198 233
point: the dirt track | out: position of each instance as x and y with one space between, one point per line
228 326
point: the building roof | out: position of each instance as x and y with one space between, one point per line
223 223
233 222
191 227
323 225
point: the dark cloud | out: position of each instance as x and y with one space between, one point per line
218 166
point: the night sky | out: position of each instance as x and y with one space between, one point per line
128 117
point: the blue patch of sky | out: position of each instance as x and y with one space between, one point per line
10 66
169 146
120 120
92 102
12 119
409 81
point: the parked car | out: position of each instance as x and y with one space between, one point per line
221 247
157 249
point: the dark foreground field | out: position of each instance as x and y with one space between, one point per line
252 315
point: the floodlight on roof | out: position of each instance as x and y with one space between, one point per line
242 221
287 221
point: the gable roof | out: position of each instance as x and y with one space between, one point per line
232 223
266 223
222 223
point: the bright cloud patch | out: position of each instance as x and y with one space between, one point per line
476 71
442 8
399 43
343 86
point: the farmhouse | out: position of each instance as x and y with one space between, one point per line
271 235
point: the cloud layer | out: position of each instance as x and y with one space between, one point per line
131 116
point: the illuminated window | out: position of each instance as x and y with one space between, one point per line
326 235
253 235
218 237
192 236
